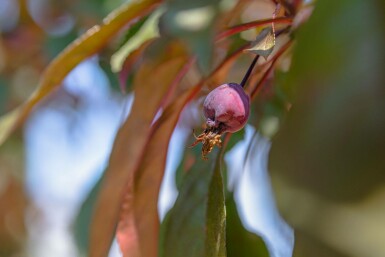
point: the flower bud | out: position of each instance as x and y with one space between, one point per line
227 108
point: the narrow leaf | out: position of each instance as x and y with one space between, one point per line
151 86
196 224
129 63
264 43
149 176
85 46
216 215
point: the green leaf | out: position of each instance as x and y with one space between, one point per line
264 43
239 241
216 214
83 220
145 30
197 221
90 43
185 226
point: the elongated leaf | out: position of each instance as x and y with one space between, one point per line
149 177
184 232
129 62
196 224
151 85
216 214
85 46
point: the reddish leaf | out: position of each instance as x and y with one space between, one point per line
129 63
149 176
151 85
85 46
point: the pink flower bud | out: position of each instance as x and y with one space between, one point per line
227 108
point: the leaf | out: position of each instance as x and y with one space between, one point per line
216 214
197 220
264 43
147 181
151 86
7 121
240 242
145 31
85 46
129 63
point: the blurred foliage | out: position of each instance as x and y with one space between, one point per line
13 200
328 159
239 241
192 21
81 226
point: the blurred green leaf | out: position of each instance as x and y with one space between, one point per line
193 22
306 245
3 95
197 220
85 46
327 161
54 45
239 241
332 142
83 219
145 30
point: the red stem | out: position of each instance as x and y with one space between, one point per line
242 27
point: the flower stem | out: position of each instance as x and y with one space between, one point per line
248 72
